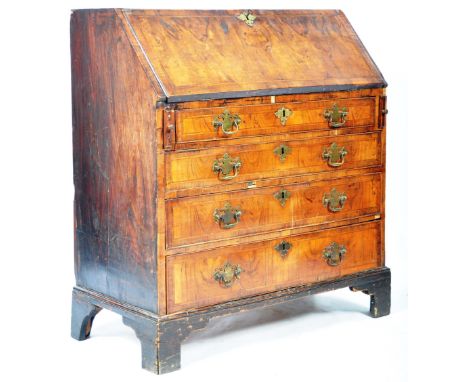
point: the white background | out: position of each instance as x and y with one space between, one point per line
420 49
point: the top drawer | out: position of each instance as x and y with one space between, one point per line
230 122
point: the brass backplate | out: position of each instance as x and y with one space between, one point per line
247 17
334 200
282 196
334 254
283 248
283 114
228 216
227 274
282 151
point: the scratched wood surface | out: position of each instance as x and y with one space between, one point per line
191 169
191 283
198 124
213 54
190 220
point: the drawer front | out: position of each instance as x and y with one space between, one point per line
232 122
221 216
225 274
220 166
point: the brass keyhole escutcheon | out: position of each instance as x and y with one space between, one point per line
228 216
334 155
282 151
227 274
283 114
334 200
283 248
229 123
226 167
247 17
335 116
282 196
334 254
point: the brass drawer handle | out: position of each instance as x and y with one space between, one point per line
334 254
336 117
227 167
282 151
228 122
228 216
227 274
334 200
334 155
282 196
283 248
283 114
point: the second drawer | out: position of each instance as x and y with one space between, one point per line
221 216
224 165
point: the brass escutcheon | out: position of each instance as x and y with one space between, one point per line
227 274
334 155
227 167
247 17
282 151
228 122
334 200
228 216
283 114
282 196
336 117
334 254
283 248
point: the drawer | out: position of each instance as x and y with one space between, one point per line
220 166
225 274
232 122
226 215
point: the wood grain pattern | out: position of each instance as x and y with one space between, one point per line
194 168
190 277
114 144
190 220
197 124
212 54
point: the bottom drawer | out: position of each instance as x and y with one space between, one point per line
205 278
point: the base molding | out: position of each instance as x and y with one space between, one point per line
161 336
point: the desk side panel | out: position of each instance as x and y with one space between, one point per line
115 177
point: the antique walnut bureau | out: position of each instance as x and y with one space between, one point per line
223 161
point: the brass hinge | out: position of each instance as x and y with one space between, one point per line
169 129
383 112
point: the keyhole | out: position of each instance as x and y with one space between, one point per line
283 195
284 113
282 150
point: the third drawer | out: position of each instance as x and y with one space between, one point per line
221 216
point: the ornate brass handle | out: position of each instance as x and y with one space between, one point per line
283 114
334 254
227 167
228 216
228 122
283 248
336 117
334 155
227 274
334 200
